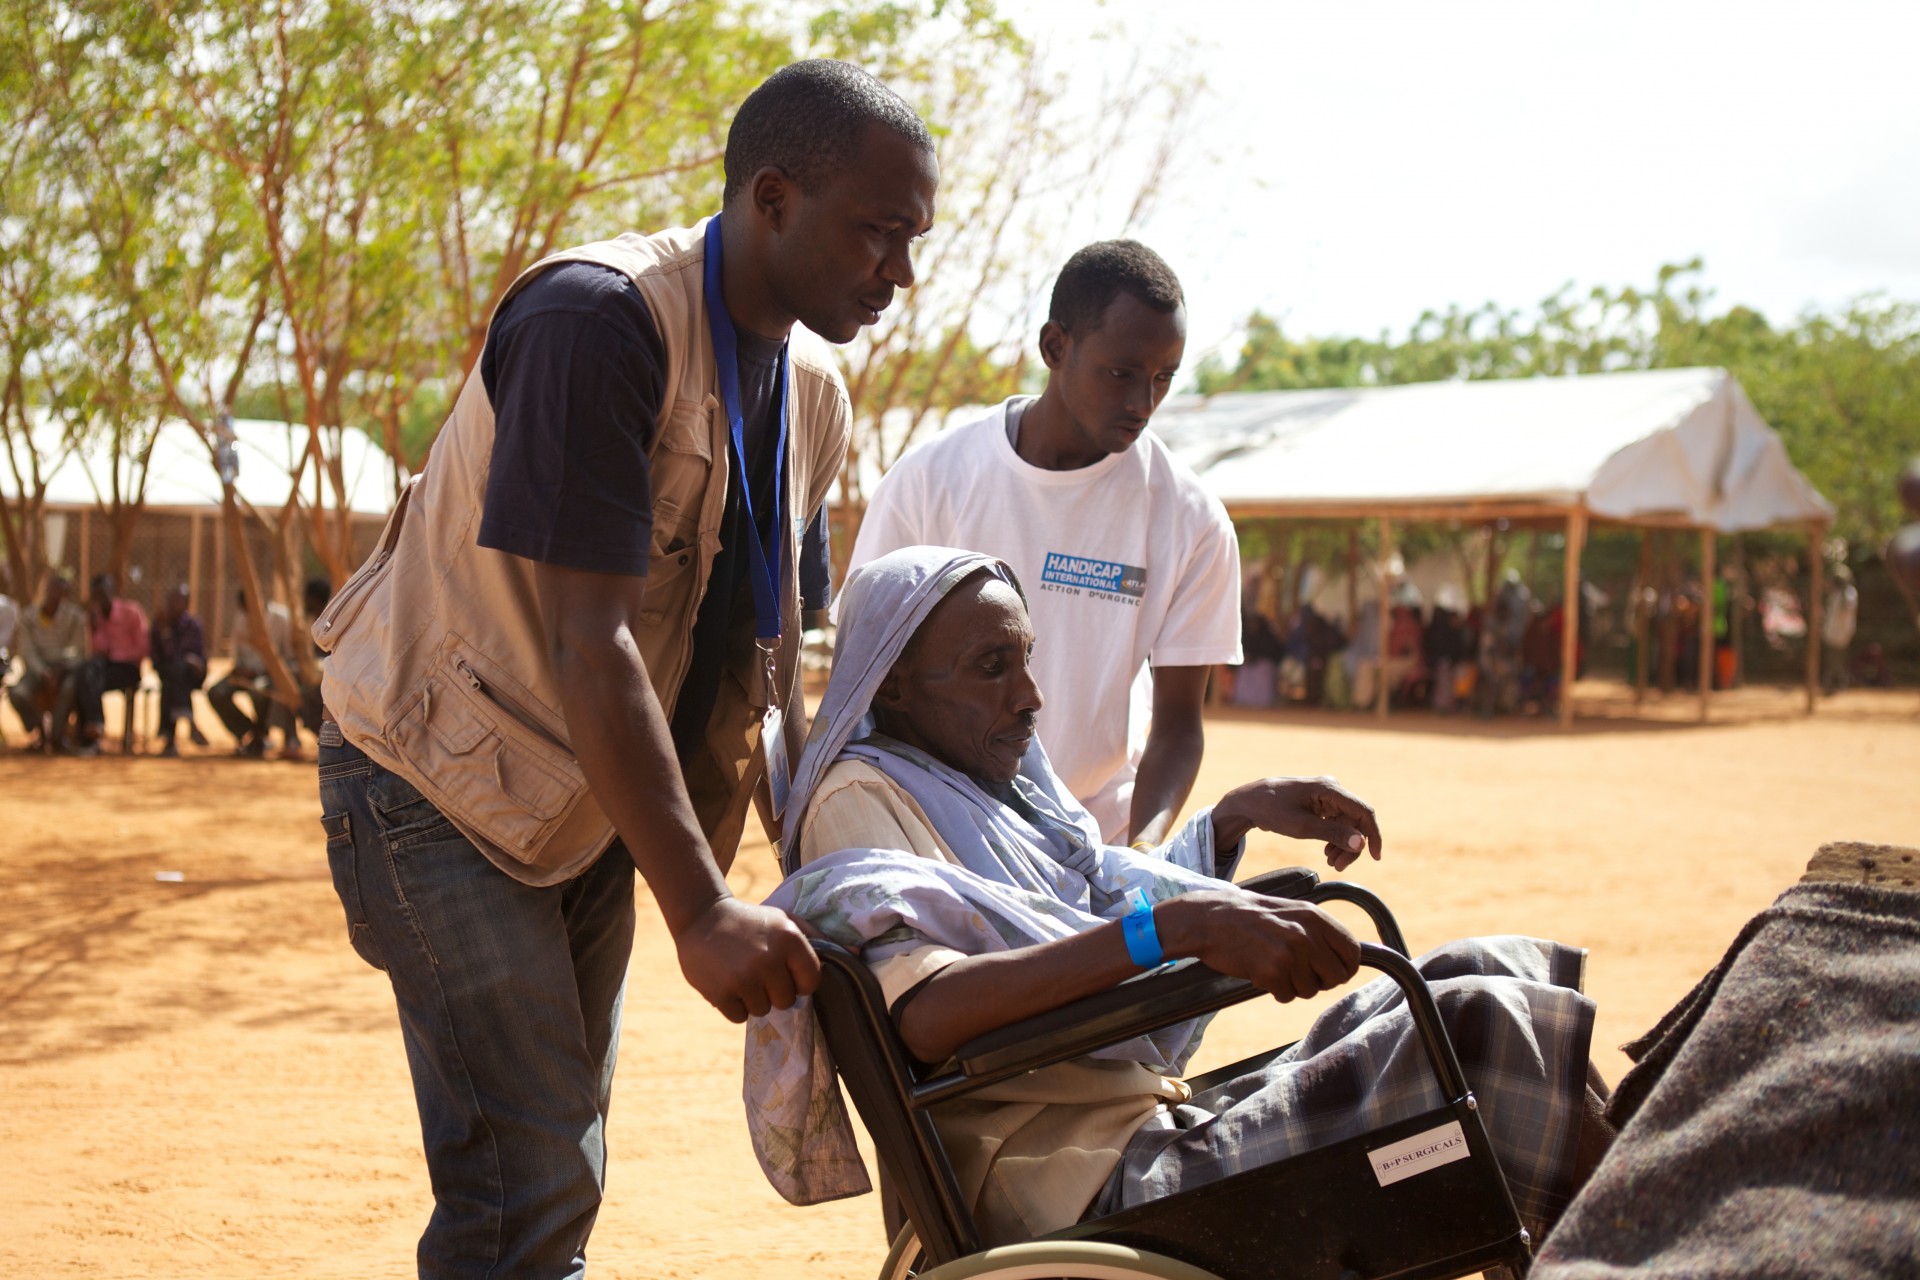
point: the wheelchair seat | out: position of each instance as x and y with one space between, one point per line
1330 1213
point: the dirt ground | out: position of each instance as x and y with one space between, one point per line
198 1078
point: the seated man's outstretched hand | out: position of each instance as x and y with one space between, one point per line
1289 949
1304 808
746 959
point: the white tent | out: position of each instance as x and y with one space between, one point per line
1677 445
1672 448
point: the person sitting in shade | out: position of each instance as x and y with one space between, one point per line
9 623
930 832
178 650
248 675
119 634
51 641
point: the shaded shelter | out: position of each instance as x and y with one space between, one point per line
178 535
1653 449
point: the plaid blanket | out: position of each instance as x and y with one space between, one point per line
1771 1124
1521 1029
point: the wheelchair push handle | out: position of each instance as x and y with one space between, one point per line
1426 1016
1345 891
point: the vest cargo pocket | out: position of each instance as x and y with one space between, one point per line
347 603
670 578
687 429
687 504
352 596
679 470
501 778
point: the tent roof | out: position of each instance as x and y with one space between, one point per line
181 476
1665 445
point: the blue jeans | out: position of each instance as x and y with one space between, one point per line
509 1000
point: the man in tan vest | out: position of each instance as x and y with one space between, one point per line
574 653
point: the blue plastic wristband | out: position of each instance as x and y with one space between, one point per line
1143 940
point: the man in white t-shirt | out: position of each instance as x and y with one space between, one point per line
1131 570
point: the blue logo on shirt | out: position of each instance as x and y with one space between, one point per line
1107 576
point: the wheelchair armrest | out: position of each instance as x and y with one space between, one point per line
1147 1002
1287 882
1142 1003
1174 993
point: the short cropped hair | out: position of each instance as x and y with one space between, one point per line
808 119
1103 271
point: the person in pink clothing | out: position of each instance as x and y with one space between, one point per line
120 638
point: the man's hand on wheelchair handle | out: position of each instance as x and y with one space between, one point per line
1288 949
1305 809
747 959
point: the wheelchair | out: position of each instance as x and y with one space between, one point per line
1324 1214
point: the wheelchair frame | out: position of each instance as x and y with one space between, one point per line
1321 1213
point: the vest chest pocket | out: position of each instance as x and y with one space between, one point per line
688 427
670 578
679 469
501 778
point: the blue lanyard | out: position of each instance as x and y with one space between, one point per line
766 564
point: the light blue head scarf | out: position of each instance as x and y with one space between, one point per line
880 609
1032 870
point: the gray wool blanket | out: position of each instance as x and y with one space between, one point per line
1771 1124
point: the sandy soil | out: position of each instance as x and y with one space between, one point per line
198 1078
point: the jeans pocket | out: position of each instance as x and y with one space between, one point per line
343 860
403 815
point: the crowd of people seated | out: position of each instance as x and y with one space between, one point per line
59 659
1502 661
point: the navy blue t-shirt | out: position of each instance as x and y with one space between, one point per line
576 371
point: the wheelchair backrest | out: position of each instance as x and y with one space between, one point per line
880 1077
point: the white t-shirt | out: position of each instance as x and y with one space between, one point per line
1122 562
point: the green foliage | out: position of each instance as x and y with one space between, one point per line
310 208
1842 389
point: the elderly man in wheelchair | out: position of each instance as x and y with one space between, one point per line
983 999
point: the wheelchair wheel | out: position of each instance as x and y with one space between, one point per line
1066 1260
904 1259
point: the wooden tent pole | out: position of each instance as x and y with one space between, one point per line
193 563
1670 576
1816 605
1493 571
1642 617
1286 583
1736 616
216 617
1707 549
1353 578
1386 612
1570 612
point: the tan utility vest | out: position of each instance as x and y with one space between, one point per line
439 667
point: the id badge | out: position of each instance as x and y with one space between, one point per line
773 738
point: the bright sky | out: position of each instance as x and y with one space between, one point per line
1362 160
